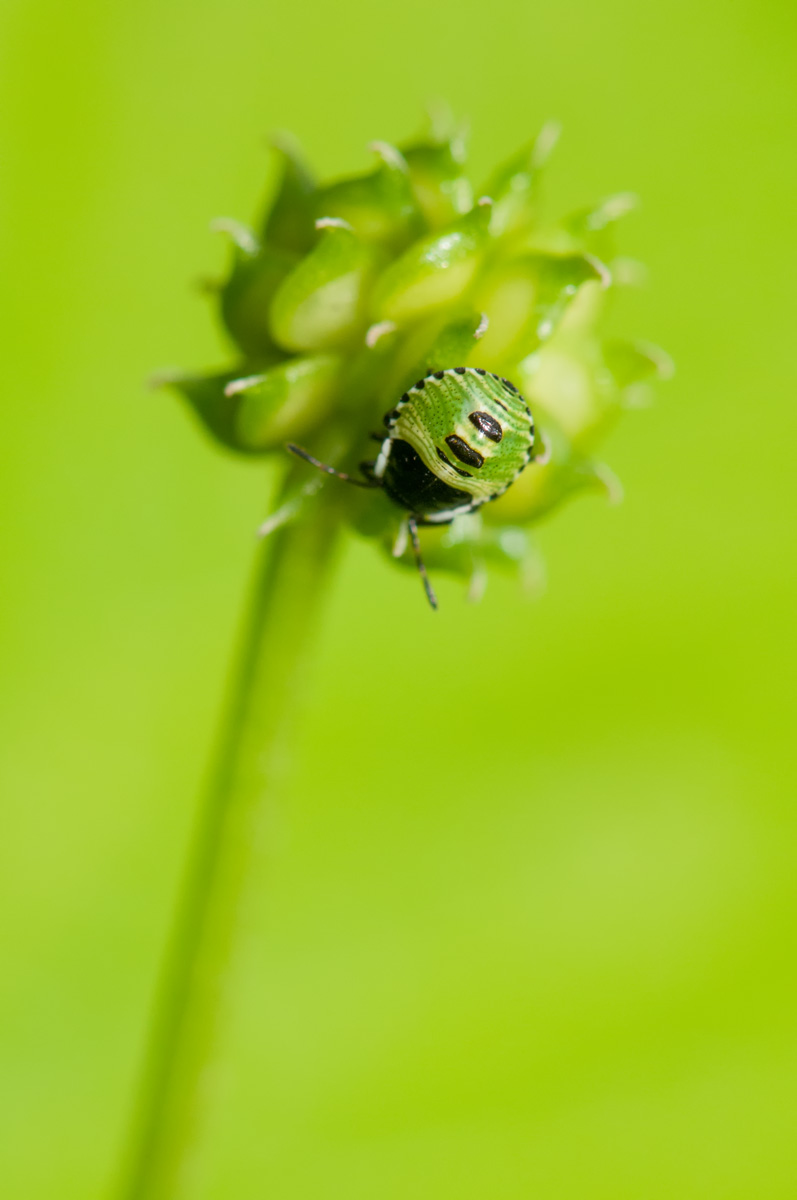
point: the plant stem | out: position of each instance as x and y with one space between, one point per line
288 586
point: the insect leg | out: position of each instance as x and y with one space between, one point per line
416 546
315 462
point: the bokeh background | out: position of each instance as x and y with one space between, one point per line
521 929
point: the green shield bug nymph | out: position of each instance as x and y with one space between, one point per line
455 440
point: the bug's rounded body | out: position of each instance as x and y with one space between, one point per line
455 440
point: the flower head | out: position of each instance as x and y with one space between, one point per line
346 296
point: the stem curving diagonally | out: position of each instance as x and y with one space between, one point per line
288 586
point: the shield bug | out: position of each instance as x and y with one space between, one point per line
456 439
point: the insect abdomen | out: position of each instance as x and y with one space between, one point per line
468 435
411 485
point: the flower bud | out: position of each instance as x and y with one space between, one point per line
321 302
255 413
346 294
380 207
256 274
442 190
436 271
283 402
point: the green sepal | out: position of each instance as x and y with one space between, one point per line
633 366
284 401
455 343
436 166
209 401
557 282
466 549
379 206
558 472
370 388
568 380
435 347
514 186
288 221
527 297
592 228
588 230
256 273
437 270
321 303
572 387
635 362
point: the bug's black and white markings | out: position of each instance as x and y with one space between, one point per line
435 422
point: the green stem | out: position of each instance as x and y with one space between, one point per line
288 586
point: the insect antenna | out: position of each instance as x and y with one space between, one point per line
315 462
416 546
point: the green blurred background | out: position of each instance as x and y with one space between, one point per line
521 929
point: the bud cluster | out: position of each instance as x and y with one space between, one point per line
347 292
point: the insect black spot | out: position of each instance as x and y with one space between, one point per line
458 470
509 386
389 417
420 385
460 370
487 425
439 374
480 371
464 452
